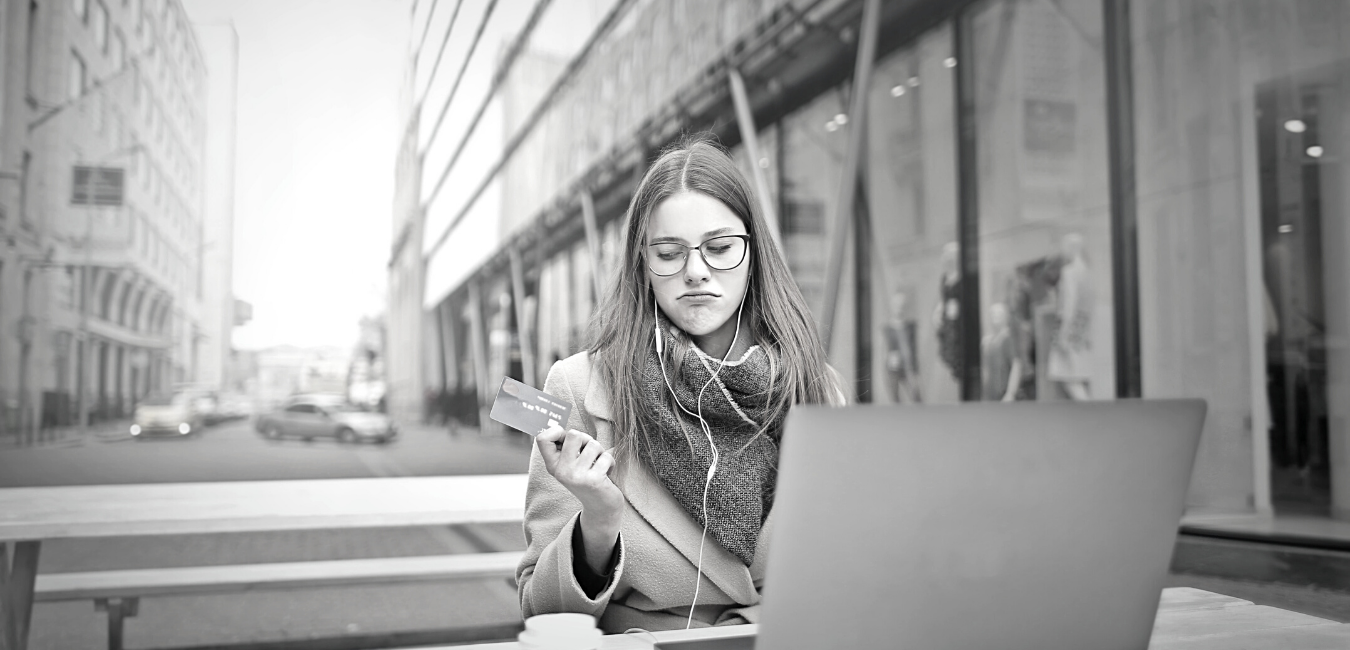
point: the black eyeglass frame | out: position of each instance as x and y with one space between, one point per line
744 254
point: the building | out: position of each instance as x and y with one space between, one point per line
1084 199
101 292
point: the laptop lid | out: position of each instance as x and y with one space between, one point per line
1030 525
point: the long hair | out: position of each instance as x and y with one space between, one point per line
622 333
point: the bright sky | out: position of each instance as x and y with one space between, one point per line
319 84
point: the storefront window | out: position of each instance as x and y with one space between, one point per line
815 141
1242 111
911 199
1046 307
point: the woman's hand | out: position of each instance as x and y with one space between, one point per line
582 466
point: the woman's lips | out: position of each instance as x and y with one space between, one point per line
699 298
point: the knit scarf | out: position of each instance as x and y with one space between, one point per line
736 407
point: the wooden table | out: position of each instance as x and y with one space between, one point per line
30 515
1188 619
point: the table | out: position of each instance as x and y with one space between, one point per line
29 516
1188 619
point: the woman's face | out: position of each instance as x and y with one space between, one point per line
700 300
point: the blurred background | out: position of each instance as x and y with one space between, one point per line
224 224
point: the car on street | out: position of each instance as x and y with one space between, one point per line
325 416
172 415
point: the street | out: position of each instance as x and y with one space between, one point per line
234 451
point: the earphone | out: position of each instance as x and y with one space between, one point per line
707 431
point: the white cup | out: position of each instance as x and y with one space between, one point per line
560 632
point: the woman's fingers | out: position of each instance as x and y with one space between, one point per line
573 443
588 454
602 465
547 441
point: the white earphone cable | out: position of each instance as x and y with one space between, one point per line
707 431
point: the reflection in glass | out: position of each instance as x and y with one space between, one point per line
911 204
1044 221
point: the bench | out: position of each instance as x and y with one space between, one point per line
119 592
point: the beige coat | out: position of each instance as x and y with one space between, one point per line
653 582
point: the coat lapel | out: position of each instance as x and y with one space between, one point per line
646 494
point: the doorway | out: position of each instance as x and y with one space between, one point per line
1291 130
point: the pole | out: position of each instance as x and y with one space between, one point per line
477 340
862 78
25 358
86 277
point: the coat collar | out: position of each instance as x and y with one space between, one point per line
646 494
597 398
656 505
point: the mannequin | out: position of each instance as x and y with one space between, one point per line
947 313
901 374
1002 366
1070 352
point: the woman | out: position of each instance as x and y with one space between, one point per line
631 514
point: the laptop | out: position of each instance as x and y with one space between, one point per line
1030 525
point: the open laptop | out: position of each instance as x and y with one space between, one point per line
1032 525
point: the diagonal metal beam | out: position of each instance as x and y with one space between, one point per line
445 42
745 119
431 13
592 241
843 214
524 334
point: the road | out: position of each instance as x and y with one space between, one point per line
233 451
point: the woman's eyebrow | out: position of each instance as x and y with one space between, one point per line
680 240
667 239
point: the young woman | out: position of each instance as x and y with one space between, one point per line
632 515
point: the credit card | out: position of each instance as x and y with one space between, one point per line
528 409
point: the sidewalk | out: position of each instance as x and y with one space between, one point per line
68 436
1297 530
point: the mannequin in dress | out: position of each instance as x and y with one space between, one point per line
1070 353
1002 367
947 313
902 376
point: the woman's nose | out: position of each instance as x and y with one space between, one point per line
695 267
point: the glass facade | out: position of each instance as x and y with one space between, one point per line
1237 116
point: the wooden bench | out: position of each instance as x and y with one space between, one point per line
119 592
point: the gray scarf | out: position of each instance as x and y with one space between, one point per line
676 449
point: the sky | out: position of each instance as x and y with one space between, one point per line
317 136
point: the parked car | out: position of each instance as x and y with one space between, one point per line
233 406
173 415
315 416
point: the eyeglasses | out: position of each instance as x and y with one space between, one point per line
719 253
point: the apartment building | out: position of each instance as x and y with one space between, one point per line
102 141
